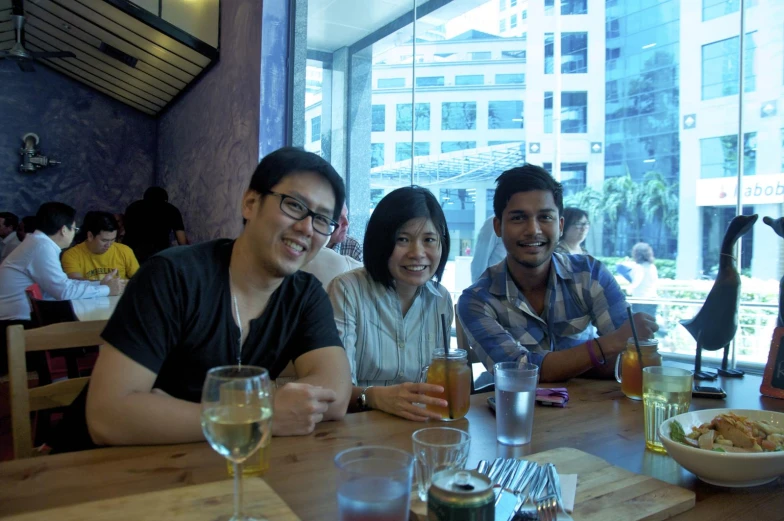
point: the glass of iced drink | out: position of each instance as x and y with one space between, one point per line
666 392
450 370
515 394
628 369
374 483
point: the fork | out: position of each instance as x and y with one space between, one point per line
547 508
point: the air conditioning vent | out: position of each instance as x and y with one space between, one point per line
117 54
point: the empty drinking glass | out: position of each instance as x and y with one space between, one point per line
374 483
436 449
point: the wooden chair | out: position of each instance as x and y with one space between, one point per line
59 394
484 382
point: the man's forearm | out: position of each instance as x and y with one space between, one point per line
145 419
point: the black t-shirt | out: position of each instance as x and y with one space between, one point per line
148 227
175 318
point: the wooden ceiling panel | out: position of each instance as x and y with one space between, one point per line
154 63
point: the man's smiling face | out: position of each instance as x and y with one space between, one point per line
530 227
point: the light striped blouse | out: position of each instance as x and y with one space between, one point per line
383 346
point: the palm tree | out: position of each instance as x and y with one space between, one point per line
660 203
621 197
586 199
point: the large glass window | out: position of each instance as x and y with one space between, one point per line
574 53
505 114
403 120
647 162
720 64
719 156
458 115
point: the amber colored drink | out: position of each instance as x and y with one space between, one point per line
631 371
454 375
257 464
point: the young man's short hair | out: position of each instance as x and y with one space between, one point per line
288 160
97 222
30 223
52 216
392 212
156 194
526 178
10 219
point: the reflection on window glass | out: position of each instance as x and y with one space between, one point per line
378 123
390 83
483 55
508 79
505 114
715 8
403 121
470 79
574 6
458 115
451 146
315 129
513 55
720 63
574 53
403 150
376 155
430 81
719 156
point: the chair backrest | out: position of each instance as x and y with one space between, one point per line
483 383
58 394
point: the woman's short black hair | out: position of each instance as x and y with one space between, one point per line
571 215
526 178
642 252
392 212
51 217
287 160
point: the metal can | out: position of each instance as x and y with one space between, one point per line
460 495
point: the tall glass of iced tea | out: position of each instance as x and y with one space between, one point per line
450 370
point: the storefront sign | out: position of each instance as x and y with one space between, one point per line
756 189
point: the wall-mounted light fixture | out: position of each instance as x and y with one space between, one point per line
32 160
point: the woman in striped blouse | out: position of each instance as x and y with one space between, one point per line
388 313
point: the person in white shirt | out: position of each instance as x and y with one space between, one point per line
388 313
8 224
37 261
645 278
489 250
328 264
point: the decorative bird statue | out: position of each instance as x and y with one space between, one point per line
714 326
778 228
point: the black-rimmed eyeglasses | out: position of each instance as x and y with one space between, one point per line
296 209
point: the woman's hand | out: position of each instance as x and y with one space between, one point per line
400 399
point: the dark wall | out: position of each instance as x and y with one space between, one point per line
208 141
107 148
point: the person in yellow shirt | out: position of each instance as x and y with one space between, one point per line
99 254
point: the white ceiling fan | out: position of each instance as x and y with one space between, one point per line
23 57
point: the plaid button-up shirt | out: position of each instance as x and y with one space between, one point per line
351 247
582 298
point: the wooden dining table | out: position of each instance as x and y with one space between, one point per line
98 308
598 420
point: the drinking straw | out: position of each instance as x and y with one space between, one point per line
634 334
446 366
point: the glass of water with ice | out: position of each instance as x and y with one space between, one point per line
515 394
374 483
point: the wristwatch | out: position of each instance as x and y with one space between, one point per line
362 403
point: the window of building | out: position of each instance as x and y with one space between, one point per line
376 155
470 79
505 114
548 7
612 29
430 81
458 115
502 25
501 4
574 6
315 129
715 8
719 156
513 21
403 150
452 146
720 63
524 14
494 143
391 83
512 3
574 53
574 112
403 119
513 55
481 55
509 79
378 114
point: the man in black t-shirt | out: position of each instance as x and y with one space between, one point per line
193 308
150 222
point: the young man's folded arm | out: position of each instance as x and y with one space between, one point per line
124 409
327 367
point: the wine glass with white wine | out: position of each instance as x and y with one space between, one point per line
236 417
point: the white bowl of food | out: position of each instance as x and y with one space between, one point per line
728 447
